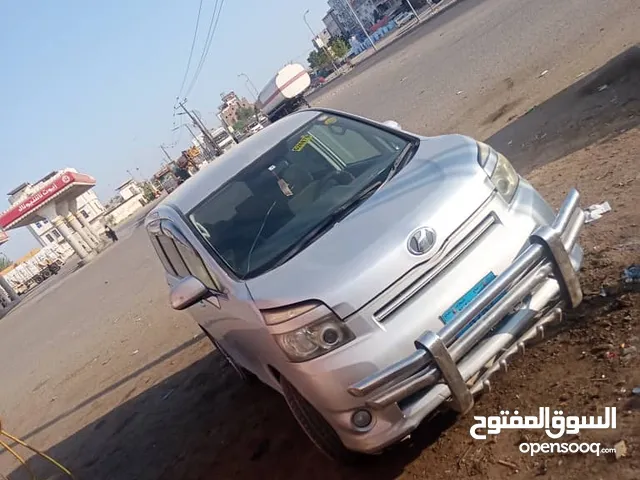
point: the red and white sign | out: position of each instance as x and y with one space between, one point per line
50 190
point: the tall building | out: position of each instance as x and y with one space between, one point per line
334 26
369 12
231 105
343 16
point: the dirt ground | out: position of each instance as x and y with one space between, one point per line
108 379
201 422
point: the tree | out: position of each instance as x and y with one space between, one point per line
339 47
5 261
149 193
245 116
318 60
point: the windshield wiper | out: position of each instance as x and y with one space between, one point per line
328 222
400 161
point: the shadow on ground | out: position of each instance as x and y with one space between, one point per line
600 105
203 423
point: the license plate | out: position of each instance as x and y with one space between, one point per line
449 315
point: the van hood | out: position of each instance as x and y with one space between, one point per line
363 254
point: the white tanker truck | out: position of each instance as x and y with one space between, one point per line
284 93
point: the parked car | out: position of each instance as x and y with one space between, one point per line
404 17
370 275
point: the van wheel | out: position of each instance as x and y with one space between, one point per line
316 427
244 374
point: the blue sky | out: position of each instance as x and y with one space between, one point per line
91 85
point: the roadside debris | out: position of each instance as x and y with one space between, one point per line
594 212
621 449
602 88
168 394
511 465
459 92
631 274
135 352
542 74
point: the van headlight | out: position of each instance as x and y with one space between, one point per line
315 339
500 171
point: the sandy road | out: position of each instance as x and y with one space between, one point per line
452 73
104 374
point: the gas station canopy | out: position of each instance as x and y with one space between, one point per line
66 185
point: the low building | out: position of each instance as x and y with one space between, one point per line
322 39
129 189
231 106
132 196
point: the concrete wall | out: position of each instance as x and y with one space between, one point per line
124 210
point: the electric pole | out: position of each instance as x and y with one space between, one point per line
413 10
353 12
315 37
202 145
198 123
166 154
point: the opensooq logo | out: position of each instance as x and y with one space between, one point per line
555 425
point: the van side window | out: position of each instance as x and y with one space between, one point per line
174 257
155 241
196 266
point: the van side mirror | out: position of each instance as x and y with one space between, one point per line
187 293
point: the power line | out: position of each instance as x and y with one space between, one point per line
193 44
213 25
215 17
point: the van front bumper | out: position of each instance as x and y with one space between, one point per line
452 365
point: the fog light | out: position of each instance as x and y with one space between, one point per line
361 418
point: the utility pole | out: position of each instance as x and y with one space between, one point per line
204 145
166 154
304 17
207 134
353 12
413 10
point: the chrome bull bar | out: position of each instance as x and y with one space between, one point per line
547 254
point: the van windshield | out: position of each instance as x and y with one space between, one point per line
262 213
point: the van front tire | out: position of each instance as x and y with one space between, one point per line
316 427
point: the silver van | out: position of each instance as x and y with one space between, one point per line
370 275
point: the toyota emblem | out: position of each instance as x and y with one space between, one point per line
421 241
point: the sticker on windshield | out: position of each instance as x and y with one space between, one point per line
302 143
330 121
